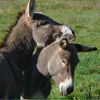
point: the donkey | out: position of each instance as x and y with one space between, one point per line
31 30
58 61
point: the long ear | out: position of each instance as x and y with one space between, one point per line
30 8
83 48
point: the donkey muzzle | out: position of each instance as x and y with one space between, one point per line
66 87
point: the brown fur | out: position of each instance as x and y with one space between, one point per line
20 13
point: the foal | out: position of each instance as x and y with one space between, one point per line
58 61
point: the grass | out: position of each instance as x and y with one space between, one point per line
84 17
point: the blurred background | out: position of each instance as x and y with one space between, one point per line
81 15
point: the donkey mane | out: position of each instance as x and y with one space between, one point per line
42 16
20 13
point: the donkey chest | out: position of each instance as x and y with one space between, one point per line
38 94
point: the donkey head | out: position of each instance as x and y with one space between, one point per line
59 60
44 29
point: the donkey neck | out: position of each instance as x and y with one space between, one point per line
19 44
34 80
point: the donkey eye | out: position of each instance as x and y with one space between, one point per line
64 61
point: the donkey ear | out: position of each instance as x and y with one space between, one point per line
83 48
30 8
63 43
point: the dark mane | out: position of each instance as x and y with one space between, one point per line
40 16
20 13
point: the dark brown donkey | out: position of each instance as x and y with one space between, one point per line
58 61
31 30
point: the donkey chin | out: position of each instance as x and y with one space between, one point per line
66 87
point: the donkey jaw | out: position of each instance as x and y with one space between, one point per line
66 87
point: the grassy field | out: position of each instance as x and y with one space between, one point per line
84 17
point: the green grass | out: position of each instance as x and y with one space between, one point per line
84 17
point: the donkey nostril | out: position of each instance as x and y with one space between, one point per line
70 89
